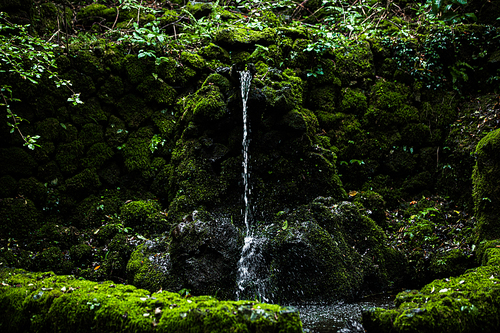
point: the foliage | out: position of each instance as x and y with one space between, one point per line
29 58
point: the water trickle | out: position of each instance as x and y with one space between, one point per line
245 80
250 281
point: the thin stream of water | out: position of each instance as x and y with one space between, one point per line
246 80
251 281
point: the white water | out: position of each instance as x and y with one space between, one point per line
250 283
245 80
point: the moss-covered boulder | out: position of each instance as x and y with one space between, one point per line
144 216
20 218
466 303
201 255
486 190
47 302
335 241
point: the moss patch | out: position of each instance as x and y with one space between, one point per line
47 302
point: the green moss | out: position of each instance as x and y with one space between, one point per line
94 12
157 91
97 155
68 156
45 302
84 182
8 186
302 120
355 63
49 129
20 218
16 161
111 90
88 112
244 37
206 104
283 91
133 110
193 60
486 190
143 216
466 303
215 52
174 73
353 101
375 205
31 188
325 98
136 153
220 81
168 17
116 132
136 69
80 254
199 9
90 134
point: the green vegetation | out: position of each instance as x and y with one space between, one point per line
365 119
45 301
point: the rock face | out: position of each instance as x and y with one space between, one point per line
486 191
321 251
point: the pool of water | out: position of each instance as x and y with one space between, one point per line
341 316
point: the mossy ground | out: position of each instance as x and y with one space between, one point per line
41 302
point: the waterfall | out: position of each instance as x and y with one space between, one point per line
250 283
246 79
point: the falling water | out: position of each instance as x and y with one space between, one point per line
246 79
250 264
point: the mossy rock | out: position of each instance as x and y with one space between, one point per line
136 153
215 52
8 186
220 81
68 157
174 73
96 12
240 37
66 303
201 255
354 63
49 129
486 191
20 218
193 60
116 132
136 69
90 134
467 303
207 104
157 91
353 101
144 216
133 110
111 90
31 188
97 155
16 161
88 112
84 182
